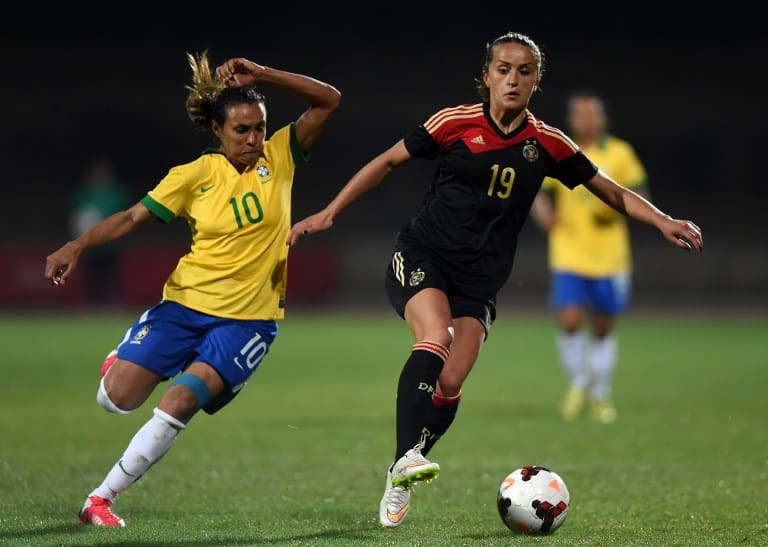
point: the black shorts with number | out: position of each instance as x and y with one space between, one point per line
414 268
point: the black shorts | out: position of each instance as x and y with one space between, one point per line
413 269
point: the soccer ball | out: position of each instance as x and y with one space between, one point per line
533 500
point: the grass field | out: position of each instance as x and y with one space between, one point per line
299 457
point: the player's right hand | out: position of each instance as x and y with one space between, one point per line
60 264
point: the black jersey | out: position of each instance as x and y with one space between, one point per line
483 187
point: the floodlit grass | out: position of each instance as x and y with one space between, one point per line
299 457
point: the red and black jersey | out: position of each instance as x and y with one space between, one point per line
483 187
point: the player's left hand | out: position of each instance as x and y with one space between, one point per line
239 72
683 233
319 222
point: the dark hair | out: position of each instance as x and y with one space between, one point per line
507 38
590 94
584 93
209 98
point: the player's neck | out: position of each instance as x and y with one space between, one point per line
507 120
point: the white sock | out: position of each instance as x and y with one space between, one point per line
571 350
602 361
150 443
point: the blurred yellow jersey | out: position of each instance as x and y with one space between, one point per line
590 238
236 266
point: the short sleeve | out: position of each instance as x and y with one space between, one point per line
573 170
169 198
420 144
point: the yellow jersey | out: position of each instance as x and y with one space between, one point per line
237 263
590 238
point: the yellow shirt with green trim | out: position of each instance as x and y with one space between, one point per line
590 238
237 263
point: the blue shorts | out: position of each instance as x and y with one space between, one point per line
608 295
168 337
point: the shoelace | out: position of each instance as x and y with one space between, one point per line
415 458
103 507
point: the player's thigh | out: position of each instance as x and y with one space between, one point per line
234 349
154 348
163 339
416 288
428 314
128 384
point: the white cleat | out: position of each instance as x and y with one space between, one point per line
394 504
413 468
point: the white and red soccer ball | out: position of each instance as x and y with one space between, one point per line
533 500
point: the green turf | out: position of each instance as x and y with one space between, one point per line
299 458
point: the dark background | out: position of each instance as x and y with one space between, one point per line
682 83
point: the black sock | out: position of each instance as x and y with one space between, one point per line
440 416
414 392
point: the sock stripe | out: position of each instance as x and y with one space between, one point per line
123 469
441 401
432 347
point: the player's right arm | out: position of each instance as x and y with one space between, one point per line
365 180
61 263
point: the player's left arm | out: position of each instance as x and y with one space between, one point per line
322 98
682 233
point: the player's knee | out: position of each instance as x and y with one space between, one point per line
442 336
105 402
187 394
174 423
449 387
450 383
570 320
195 393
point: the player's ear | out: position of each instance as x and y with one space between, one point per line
216 128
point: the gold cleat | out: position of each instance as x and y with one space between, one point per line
603 411
573 404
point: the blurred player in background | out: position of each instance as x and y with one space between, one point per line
219 309
457 251
100 195
590 260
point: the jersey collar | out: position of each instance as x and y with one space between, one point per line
499 132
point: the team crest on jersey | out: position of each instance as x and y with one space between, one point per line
531 151
263 171
417 276
139 336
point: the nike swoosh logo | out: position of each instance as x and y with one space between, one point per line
397 517
206 188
